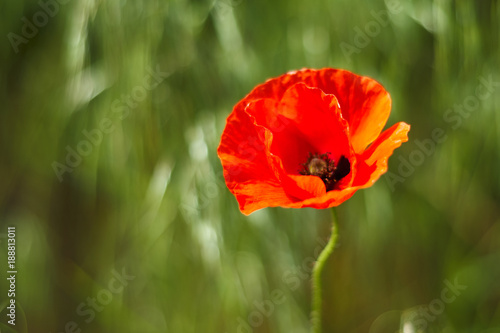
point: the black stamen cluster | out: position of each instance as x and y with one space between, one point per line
324 167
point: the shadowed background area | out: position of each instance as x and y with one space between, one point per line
110 119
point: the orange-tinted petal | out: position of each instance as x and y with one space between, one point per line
318 119
287 141
271 131
330 199
250 169
252 196
313 185
304 121
241 152
373 162
365 104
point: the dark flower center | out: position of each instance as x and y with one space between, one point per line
317 166
324 167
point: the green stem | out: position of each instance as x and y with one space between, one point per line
317 315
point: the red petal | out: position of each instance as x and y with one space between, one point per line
364 102
305 121
271 131
318 119
330 199
373 162
311 184
288 144
252 196
241 151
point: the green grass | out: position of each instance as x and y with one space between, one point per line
150 198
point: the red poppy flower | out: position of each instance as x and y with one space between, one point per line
309 138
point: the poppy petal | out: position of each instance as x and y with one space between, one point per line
241 151
330 199
312 184
305 121
365 104
318 118
287 141
252 196
271 132
373 162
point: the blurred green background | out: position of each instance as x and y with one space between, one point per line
145 196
